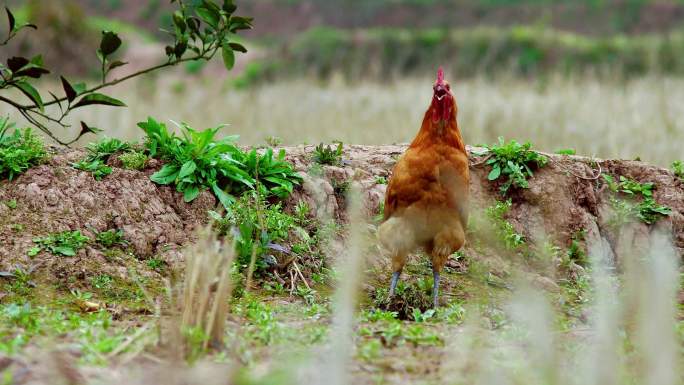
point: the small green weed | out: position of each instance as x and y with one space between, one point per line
98 154
133 160
110 238
102 282
325 154
419 335
678 169
504 229
12 204
274 141
66 243
643 206
96 167
381 180
106 147
20 281
514 162
255 225
370 350
378 315
419 316
156 264
566 151
19 151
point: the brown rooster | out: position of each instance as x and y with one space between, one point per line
427 195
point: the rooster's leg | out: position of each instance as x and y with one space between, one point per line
435 287
393 283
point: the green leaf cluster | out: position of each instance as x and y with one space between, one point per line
324 154
66 243
646 209
133 160
19 150
254 225
678 169
98 155
513 162
197 161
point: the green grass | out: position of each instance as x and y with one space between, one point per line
325 154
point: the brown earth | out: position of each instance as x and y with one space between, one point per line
563 199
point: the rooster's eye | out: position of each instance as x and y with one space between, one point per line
448 87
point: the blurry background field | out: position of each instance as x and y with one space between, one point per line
602 77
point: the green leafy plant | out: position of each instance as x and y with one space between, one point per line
111 238
642 205
12 204
198 33
96 167
197 161
513 162
106 147
99 153
503 228
133 160
678 169
66 243
19 150
325 154
254 225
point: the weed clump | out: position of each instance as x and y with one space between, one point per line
642 205
66 243
197 161
19 151
678 169
98 154
410 298
324 154
513 162
133 160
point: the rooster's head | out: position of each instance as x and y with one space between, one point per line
443 104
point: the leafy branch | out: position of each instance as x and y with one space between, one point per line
198 33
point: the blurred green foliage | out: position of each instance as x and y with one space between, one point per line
520 50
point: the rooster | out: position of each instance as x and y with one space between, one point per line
427 195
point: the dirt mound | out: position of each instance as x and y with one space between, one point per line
565 197
55 197
563 200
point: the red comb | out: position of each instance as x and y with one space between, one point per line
440 75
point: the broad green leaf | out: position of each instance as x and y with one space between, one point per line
166 175
96 98
64 250
225 199
210 16
495 173
188 168
228 56
31 93
190 193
